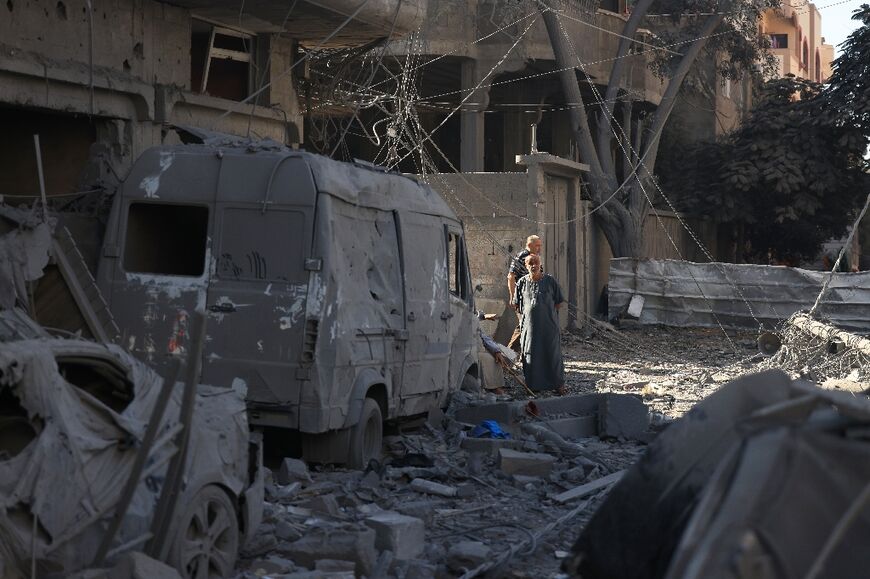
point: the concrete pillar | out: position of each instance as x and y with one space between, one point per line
472 120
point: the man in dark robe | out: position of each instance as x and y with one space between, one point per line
537 299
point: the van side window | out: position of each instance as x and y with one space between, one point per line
261 246
456 266
166 239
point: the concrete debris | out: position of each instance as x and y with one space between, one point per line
293 470
622 417
347 544
404 536
467 555
525 463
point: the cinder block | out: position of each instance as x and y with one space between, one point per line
404 536
525 463
487 446
346 545
578 427
622 416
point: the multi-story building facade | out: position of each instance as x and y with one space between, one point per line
796 40
101 82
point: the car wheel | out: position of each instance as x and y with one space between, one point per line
367 436
206 541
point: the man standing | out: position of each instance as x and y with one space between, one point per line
518 270
538 298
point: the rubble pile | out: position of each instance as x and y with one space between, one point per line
444 503
440 504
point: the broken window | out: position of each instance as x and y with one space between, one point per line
100 378
456 266
16 430
166 239
779 40
257 245
220 61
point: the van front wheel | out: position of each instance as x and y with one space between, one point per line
366 436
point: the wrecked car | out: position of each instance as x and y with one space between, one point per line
338 295
74 418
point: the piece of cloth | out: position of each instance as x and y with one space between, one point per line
489 429
539 340
514 342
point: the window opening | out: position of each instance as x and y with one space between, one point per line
16 429
166 239
456 266
779 40
220 61
261 246
102 380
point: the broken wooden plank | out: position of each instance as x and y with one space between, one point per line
589 488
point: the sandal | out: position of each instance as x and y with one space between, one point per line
562 390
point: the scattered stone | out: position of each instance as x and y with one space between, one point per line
293 470
261 543
285 531
622 416
138 565
403 535
370 480
433 488
272 566
467 555
284 493
357 545
525 463
422 509
334 566
326 504
420 570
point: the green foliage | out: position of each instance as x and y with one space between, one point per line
848 91
792 173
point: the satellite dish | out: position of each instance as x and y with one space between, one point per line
769 343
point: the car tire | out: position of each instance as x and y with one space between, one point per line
366 436
205 543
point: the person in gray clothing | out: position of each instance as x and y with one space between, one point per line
537 300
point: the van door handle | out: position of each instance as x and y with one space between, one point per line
446 316
222 308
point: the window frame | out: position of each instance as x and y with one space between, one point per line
126 232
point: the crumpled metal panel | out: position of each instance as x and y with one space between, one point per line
682 293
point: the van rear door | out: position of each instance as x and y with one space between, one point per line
257 293
427 353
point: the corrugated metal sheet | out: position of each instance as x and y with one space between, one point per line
682 293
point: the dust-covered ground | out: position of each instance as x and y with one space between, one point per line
508 525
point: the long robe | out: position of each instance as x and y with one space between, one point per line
541 350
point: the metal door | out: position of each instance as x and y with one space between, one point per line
256 301
427 314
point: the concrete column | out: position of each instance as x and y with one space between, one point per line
472 120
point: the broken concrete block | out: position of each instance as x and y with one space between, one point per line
576 427
467 555
525 463
403 535
325 504
420 570
334 566
424 509
432 488
137 565
622 416
346 545
272 566
293 470
287 532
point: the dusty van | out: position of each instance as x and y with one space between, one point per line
338 295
